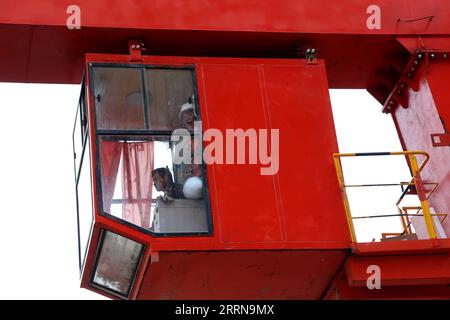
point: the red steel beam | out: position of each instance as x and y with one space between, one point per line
298 16
400 270
341 290
438 246
37 46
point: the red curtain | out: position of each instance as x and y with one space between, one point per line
137 182
110 152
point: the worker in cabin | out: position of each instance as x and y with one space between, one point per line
188 117
190 174
163 181
188 183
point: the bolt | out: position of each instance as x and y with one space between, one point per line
416 63
432 56
419 56
133 46
413 69
402 85
444 56
409 75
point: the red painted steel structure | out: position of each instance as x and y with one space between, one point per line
42 49
295 215
309 249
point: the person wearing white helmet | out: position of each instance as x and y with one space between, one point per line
191 173
163 181
187 116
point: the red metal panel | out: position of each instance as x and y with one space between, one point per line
400 270
246 199
438 76
241 275
299 105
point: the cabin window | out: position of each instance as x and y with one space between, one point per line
148 180
83 179
167 91
77 140
117 263
84 201
79 132
119 98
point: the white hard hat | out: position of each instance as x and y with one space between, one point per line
193 188
186 107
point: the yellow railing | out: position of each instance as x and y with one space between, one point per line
416 182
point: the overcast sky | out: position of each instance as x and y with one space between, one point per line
38 236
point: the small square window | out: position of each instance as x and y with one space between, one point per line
117 263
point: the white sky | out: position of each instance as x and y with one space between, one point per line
362 127
38 236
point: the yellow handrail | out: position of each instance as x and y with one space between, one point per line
416 181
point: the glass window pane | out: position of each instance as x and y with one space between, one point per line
83 111
77 138
118 98
169 91
84 196
142 185
117 263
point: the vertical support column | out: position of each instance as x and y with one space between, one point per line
423 117
422 196
340 176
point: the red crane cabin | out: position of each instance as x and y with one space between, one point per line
251 236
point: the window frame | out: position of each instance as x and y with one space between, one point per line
83 129
81 261
83 107
96 260
84 123
145 132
